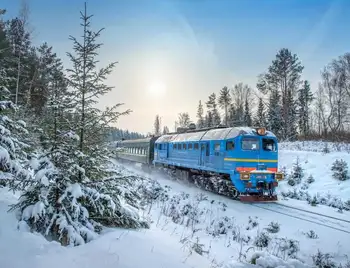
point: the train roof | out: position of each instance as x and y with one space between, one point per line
211 134
135 141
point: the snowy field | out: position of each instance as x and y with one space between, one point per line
194 228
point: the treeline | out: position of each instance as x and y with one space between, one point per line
53 139
116 134
283 102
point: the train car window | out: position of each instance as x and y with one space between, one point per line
217 146
190 146
230 145
185 146
175 146
179 146
250 144
196 146
269 145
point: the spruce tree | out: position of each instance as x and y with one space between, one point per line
274 122
157 125
214 116
76 190
200 113
260 117
305 97
12 149
247 114
283 75
225 101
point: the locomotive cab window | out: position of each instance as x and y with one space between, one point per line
250 144
217 146
230 146
269 145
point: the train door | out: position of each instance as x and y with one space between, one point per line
163 150
204 153
217 155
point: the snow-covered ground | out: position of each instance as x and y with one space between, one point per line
325 188
194 228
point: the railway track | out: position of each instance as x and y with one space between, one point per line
334 223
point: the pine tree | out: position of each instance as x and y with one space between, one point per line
214 113
76 190
12 154
47 62
247 114
200 113
240 94
157 126
225 101
20 62
275 123
284 76
260 118
305 97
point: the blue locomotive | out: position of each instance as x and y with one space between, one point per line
241 162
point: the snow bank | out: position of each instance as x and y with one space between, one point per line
319 166
315 146
116 248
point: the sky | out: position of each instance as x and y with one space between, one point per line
173 53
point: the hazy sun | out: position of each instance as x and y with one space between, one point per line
157 89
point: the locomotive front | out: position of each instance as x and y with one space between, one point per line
254 165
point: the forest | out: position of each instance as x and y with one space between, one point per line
282 102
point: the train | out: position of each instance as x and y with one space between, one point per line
240 162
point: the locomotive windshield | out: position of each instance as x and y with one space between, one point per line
269 145
251 144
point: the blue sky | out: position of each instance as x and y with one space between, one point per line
173 53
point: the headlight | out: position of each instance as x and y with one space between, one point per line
279 176
245 176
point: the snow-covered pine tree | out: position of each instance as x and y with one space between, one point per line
12 149
200 113
305 97
75 189
274 120
225 101
19 63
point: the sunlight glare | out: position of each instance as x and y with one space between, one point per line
157 89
